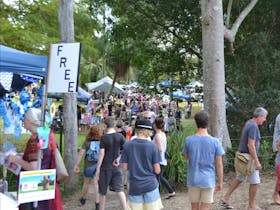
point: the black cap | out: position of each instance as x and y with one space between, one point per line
143 124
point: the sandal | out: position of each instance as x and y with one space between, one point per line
225 205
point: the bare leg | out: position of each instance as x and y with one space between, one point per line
102 199
205 206
96 190
122 199
85 187
195 206
234 184
252 195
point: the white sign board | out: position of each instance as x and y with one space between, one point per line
36 185
63 70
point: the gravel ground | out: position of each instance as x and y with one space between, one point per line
239 198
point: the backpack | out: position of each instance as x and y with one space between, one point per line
93 151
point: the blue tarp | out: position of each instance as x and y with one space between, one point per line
180 95
167 83
16 61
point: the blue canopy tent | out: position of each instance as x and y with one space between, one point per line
181 95
82 95
16 61
16 65
167 83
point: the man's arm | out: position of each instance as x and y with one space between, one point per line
156 168
220 173
253 153
100 160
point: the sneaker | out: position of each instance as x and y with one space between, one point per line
170 195
82 201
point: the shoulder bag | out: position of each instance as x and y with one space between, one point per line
61 171
244 163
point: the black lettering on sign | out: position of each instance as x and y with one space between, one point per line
67 74
70 87
59 49
63 60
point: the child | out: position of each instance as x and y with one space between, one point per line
93 135
143 184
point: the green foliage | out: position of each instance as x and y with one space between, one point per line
177 166
266 154
165 37
228 159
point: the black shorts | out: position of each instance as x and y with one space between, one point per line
112 178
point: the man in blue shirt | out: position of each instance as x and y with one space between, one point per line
204 155
249 143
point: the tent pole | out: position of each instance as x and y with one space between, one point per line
39 162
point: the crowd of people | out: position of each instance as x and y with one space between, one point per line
126 149
202 152
129 108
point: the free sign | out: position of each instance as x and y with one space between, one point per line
64 67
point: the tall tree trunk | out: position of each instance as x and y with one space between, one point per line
66 22
213 68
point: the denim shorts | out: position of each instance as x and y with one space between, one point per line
89 172
149 200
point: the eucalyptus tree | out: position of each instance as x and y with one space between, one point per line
214 30
66 23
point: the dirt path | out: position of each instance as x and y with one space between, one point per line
180 201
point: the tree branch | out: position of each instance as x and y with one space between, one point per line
228 12
230 34
167 29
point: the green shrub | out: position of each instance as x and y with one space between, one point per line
266 154
176 169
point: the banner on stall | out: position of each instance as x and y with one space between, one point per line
64 67
36 185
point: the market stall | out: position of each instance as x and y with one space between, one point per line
18 70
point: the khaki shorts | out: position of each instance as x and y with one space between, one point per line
203 195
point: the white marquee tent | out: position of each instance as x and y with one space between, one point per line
194 84
104 85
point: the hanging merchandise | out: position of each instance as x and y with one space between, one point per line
14 116
52 109
39 100
3 114
6 79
